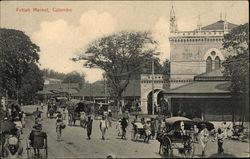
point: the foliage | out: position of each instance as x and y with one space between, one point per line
237 65
74 77
120 55
32 82
53 74
17 53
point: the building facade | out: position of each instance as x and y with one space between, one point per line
192 53
196 52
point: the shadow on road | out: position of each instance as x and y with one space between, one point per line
225 155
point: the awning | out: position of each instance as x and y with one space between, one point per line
200 89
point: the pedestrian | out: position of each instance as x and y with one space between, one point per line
23 119
220 138
59 126
83 119
64 113
110 117
196 132
103 127
119 127
147 127
152 128
204 134
89 127
124 125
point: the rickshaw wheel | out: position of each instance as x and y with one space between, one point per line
167 148
190 148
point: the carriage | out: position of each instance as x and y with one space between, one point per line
173 137
55 104
139 131
75 108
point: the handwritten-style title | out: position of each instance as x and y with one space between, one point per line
40 10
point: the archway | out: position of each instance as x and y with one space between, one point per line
158 94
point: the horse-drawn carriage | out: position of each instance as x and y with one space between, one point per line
55 104
178 134
76 108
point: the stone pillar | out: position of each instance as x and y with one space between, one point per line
144 105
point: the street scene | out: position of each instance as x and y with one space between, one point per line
107 79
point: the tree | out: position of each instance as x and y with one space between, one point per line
120 55
237 65
32 82
17 53
74 77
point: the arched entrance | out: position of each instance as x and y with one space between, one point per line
158 95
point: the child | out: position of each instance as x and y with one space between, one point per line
119 127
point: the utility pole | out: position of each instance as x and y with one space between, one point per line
105 88
153 86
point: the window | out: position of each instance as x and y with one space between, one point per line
209 64
217 62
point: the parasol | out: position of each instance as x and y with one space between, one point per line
199 122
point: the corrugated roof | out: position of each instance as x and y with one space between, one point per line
219 25
203 87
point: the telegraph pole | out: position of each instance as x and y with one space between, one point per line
153 87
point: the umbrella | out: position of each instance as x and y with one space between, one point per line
7 126
199 123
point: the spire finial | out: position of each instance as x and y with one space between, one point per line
220 16
199 21
225 16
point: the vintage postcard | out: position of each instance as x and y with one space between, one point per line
124 79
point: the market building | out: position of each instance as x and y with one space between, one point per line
197 86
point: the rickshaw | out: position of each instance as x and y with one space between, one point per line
139 131
172 138
37 147
52 108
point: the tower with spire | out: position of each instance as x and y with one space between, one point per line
225 23
199 22
173 23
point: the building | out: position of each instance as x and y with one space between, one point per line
197 86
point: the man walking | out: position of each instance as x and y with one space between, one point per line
103 127
89 126
124 125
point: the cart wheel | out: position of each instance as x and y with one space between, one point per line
190 148
166 148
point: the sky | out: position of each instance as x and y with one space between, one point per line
64 35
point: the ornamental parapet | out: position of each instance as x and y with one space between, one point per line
198 33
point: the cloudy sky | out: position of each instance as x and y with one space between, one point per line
63 35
